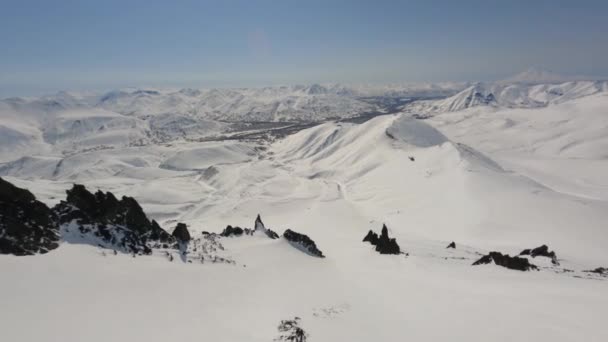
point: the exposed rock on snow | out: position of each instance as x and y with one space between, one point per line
541 251
303 242
103 220
234 231
27 226
259 227
290 331
181 233
504 260
371 237
387 245
603 271
451 245
384 244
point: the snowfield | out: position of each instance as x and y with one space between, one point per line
505 175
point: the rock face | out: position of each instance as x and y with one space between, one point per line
27 226
303 242
181 233
599 270
504 260
232 231
371 237
384 244
387 245
541 251
259 227
452 245
103 220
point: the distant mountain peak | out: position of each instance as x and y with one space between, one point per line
536 75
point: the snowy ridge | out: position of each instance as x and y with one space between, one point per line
536 75
512 95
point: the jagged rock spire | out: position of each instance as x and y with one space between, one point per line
260 227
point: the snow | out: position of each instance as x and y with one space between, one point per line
509 95
489 177
537 75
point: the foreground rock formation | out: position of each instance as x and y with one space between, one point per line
384 244
27 226
541 251
291 331
235 231
181 233
303 242
260 227
504 260
104 220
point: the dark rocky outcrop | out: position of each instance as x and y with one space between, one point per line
504 260
290 331
27 226
259 227
232 231
181 233
303 242
451 245
384 244
103 220
541 251
371 237
599 270
387 245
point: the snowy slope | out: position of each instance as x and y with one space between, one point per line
487 178
66 123
562 146
536 75
333 182
510 95
313 102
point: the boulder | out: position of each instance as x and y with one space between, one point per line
302 242
371 237
504 260
386 245
260 227
599 270
541 251
27 226
232 231
451 245
291 331
181 233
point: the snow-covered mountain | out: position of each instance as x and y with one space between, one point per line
194 260
314 102
536 75
509 95
67 122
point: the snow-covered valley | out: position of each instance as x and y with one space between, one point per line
525 168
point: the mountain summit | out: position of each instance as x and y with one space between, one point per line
537 75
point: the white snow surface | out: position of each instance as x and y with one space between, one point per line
509 95
488 178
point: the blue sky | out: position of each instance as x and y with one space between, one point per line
53 45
